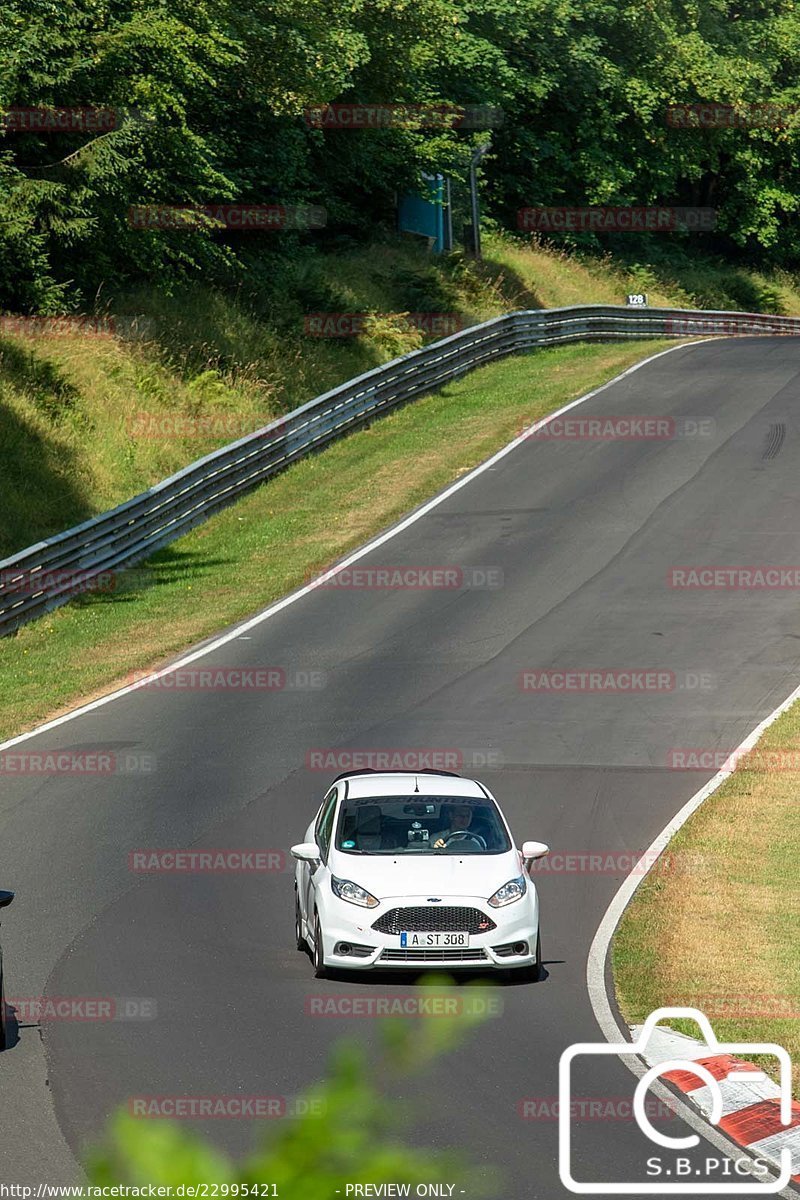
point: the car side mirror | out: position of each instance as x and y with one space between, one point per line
532 850
6 898
307 852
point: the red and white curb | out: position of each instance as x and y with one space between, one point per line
596 981
751 1114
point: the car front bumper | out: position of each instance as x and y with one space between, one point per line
511 944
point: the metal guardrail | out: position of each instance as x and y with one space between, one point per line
42 577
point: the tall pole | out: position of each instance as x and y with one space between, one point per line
477 155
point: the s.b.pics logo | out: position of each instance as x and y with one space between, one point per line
720 1081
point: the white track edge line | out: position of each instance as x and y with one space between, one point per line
601 944
279 605
688 1115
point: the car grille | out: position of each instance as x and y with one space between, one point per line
434 920
441 954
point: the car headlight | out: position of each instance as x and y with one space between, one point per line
515 889
345 889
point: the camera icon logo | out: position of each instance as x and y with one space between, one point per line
639 1047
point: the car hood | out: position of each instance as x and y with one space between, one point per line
441 875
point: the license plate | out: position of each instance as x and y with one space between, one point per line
411 941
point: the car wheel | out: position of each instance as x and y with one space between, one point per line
298 924
3 1017
319 964
531 974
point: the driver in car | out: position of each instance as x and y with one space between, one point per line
460 821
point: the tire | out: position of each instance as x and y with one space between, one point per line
299 938
320 970
531 974
3 1017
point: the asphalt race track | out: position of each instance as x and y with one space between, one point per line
584 534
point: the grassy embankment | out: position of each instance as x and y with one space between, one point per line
68 406
272 540
722 933
89 420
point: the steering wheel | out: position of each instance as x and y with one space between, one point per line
463 835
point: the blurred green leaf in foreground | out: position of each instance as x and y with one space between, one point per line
353 1133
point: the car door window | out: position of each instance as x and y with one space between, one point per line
325 822
321 811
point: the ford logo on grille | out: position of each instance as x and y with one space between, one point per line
434 899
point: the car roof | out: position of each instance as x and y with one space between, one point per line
396 783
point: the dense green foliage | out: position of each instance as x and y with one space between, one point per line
215 92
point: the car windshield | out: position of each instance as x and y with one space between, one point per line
420 825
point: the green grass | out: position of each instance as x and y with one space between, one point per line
274 539
72 408
721 932
670 276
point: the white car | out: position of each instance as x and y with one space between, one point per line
415 870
